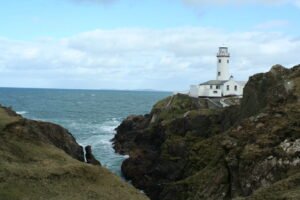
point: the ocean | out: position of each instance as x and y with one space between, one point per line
90 115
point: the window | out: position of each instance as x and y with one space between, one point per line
217 87
235 87
215 92
211 87
227 87
220 60
219 73
227 61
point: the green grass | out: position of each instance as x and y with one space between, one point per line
288 188
31 169
6 119
176 106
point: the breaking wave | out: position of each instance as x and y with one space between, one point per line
109 126
99 135
99 138
21 112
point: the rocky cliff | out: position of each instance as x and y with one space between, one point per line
41 160
187 150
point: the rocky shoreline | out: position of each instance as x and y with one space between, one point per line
186 150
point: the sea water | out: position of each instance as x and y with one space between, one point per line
90 115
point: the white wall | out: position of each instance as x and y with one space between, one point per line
193 91
203 91
231 85
215 93
223 68
206 91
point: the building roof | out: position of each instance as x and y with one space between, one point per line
214 82
218 82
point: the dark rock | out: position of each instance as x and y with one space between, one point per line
128 130
190 151
274 88
90 157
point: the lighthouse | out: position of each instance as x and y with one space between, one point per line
223 64
224 85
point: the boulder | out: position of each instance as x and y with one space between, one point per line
90 157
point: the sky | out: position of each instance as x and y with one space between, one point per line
142 44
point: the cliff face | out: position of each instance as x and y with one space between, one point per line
41 160
278 86
185 149
45 133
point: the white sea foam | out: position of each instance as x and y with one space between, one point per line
21 112
108 129
97 140
126 156
109 126
104 128
99 136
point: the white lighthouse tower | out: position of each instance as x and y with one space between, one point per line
223 64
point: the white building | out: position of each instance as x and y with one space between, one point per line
224 85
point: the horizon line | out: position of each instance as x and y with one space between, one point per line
46 88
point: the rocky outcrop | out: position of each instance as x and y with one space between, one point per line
45 132
90 157
185 149
278 86
41 160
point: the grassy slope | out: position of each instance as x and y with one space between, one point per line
288 188
5 118
34 170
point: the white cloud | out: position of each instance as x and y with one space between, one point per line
140 58
273 24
